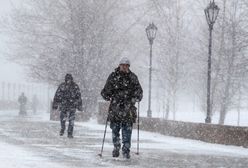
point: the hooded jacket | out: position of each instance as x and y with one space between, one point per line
68 95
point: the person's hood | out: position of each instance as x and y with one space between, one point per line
68 77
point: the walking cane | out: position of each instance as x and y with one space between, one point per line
138 129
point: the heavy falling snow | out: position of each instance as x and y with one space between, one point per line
124 83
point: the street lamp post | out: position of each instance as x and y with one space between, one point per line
151 31
211 13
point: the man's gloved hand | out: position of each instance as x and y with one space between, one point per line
133 114
80 108
108 99
134 100
54 106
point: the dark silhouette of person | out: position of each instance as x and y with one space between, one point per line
23 102
67 98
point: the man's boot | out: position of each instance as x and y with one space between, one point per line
126 155
70 132
126 152
116 152
61 133
70 136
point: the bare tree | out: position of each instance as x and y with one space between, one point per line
172 52
53 38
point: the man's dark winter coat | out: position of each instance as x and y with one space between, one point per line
68 95
122 90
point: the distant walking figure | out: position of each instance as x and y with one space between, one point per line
67 98
23 102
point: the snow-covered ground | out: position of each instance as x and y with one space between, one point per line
13 156
33 141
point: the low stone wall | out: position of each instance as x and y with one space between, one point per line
211 133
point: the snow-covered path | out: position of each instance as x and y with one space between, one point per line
34 142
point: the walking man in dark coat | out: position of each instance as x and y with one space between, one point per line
67 98
123 90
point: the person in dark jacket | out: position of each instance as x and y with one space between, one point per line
23 102
123 90
67 98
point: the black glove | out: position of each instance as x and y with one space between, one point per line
134 100
133 111
80 108
55 106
